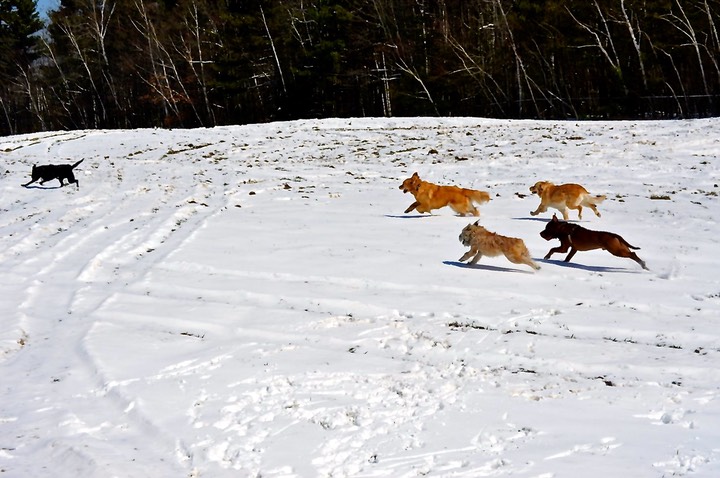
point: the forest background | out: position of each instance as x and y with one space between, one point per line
190 63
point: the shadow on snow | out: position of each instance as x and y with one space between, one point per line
484 267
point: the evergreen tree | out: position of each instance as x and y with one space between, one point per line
19 24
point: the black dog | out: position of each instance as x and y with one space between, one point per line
48 172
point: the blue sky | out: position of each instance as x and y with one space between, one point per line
45 5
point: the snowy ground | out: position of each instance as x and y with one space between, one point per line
252 301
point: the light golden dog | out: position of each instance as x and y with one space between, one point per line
429 196
564 197
483 242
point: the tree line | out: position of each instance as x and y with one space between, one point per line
191 63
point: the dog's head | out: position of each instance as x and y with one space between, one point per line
469 232
411 184
553 229
539 187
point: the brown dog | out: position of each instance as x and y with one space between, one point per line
564 197
577 238
483 242
429 196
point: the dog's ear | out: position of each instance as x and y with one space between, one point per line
415 175
477 223
554 219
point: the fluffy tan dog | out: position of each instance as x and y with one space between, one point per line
483 242
429 196
564 197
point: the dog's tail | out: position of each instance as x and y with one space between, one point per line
620 238
76 164
476 196
594 199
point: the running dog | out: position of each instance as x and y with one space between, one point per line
564 197
429 196
483 242
577 238
48 172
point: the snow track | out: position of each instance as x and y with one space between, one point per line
251 301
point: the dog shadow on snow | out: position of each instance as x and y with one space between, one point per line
545 219
37 186
484 267
536 219
575 265
409 216
571 265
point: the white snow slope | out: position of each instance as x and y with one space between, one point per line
252 301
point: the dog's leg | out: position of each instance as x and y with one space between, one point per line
467 255
539 209
566 213
523 259
462 208
563 247
526 259
412 206
641 262
28 183
630 255
72 179
588 202
634 257
468 208
570 256
476 258
619 247
579 210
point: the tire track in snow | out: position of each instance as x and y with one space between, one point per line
114 249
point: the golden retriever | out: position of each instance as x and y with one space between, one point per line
564 197
483 242
429 196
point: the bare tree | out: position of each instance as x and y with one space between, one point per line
635 40
275 54
415 76
611 56
523 78
82 54
192 23
714 49
682 24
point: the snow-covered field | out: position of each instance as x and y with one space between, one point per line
252 301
